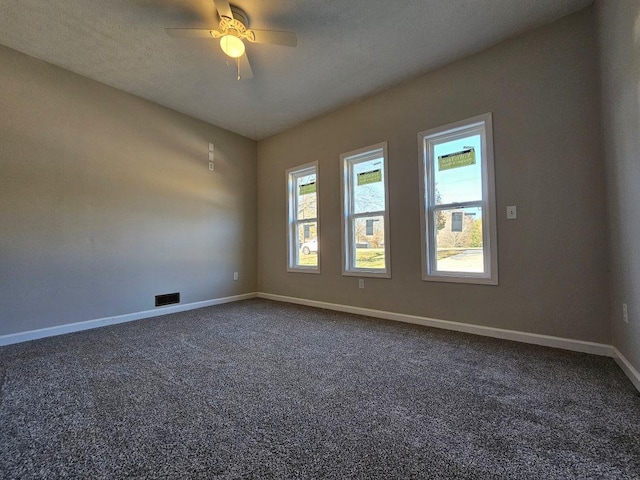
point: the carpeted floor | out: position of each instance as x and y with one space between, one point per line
259 389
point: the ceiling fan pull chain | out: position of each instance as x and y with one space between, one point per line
238 65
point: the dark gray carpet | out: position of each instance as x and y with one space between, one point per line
259 389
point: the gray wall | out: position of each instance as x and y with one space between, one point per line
543 90
106 200
619 23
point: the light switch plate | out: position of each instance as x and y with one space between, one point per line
512 214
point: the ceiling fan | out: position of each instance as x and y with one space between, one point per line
233 31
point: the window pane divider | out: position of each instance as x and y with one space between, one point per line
452 206
306 220
379 213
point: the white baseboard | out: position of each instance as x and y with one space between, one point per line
627 368
102 322
533 338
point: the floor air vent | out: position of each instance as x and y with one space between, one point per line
167 299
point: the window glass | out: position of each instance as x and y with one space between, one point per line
458 172
369 242
368 186
459 245
307 199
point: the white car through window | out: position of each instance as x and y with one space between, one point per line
310 246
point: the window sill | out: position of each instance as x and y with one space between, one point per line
366 274
460 279
303 270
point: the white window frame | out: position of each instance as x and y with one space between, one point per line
292 174
426 140
349 217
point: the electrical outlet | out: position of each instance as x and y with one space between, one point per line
235 275
211 166
625 314
361 283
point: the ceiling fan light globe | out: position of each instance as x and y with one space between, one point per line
232 46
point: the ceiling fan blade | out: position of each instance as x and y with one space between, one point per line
244 68
190 32
223 8
286 39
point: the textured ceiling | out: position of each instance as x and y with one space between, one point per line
346 49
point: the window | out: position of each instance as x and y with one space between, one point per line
303 248
365 222
458 202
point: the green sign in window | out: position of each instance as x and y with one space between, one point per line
308 188
456 160
370 177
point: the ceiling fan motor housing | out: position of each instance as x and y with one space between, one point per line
240 20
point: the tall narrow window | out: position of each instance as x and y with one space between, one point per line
303 231
365 225
458 207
